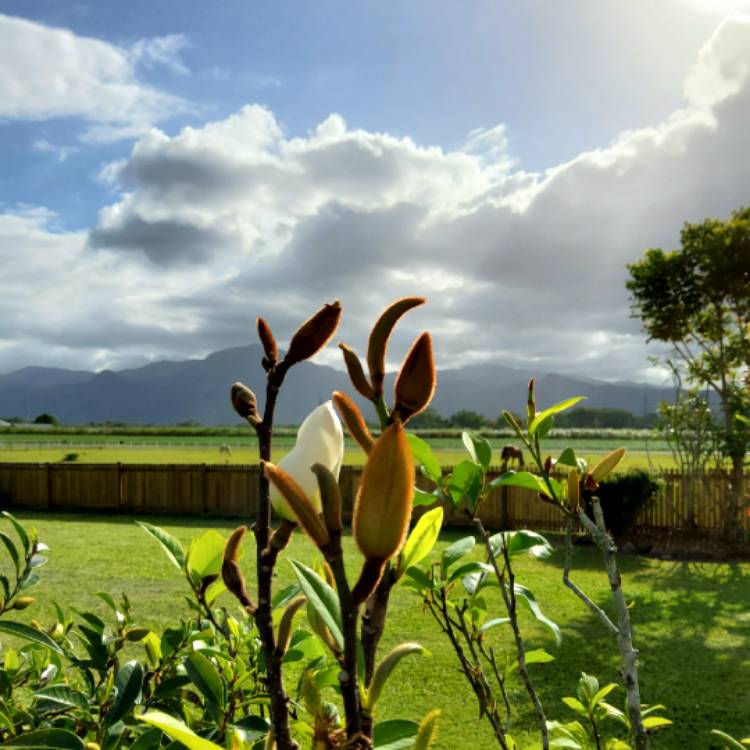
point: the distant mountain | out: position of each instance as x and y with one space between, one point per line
198 390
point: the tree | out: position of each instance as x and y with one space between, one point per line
466 418
697 299
46 418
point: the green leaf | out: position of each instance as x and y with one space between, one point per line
568 458
556 409
63 696
656 722
427 730
254 727
148 740
494 622
396 734
128 684
417 579
468 568
519 542
729 741
321 597
421 539
173 549
526 594
28 633
524 479
455 552
12 551
205 677
601 694
465 481
479 449
385 669
205 555
424 457
46 739
425 498
22 535
575 704
177 730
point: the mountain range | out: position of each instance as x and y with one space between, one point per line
196 390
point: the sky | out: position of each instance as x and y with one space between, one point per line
170 171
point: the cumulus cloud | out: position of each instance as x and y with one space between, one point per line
49 72
219 223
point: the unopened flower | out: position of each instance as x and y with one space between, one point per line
320 440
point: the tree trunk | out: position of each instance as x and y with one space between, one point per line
733 515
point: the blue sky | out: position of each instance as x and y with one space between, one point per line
481 122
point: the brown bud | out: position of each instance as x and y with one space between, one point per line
356 373
22 602
383 505
330 498
231 573
300 504
314 333
270 349
379 336
353 419
245 403
607 465
548 464
280 538
531 402
415 383
285 624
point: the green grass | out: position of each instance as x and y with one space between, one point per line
692 624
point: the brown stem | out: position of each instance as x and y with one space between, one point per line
266 560
629 670
373 621
348 674
509 599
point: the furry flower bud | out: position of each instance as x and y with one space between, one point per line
270 348
356 373
415 384
354 421
314 333
245 403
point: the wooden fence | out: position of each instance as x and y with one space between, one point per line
231 491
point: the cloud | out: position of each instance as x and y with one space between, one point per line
60 152
49 73
236 218
161 51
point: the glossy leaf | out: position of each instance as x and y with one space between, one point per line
425 498
205 677
178 730
524 479
149 740
422 538
205 555
479 448
455 552
46 739
22 534
385 669
27 633
322 598
128 684
536 610
63 696
519 542
396 734
172 548
12 551
465 481
424 457
556 409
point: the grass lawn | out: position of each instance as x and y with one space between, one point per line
692 625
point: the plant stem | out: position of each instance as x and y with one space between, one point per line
509 599
629 670
266 560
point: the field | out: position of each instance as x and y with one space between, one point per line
691 622
643 451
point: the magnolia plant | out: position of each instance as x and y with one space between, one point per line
303 491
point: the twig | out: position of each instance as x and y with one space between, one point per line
596 609
266 555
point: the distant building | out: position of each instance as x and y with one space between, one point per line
4 424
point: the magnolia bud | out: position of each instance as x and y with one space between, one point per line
383 506
415 384
379 336
548 464
231 573
356 373
270 349
353 419
245 403
330 498
301 507
314 333
58 631
92 746
531 402
22 602
285 625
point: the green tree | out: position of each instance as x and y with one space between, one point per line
46 418
466 418
697 299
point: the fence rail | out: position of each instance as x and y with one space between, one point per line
232 491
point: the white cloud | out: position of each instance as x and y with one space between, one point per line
162 50
60 152
49 73
219 223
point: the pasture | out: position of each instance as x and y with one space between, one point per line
177 447
691 624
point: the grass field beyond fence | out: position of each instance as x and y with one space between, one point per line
692 625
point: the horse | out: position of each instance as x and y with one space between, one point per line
510 453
